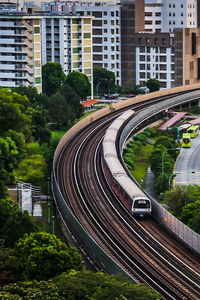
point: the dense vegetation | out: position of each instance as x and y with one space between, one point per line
30 258
182 201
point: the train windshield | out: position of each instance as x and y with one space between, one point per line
142 203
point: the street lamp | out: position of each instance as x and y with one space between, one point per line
163 157
48 205
53 218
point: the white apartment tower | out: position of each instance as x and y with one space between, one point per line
20 50
165 15
68 41
155 46
105 30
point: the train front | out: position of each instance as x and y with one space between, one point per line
141 206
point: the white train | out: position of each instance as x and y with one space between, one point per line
124 187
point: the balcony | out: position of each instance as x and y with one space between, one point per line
28 52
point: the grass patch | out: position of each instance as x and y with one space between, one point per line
141 164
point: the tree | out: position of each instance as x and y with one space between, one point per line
73 100
53 78
179 197
19 139
80 84
46 256
155 160
33 169
60 110
13 113
97 286
8 160
161 183
104 81
35 99
31 290
13 222
153 85
65 107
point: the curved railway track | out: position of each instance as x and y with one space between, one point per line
143 249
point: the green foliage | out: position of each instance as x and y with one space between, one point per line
53 78
32 290
33 169
80 84
104 80
46 256
8 162
80 286
13 222
181 196
35 99
162 154
88 285
153 85
161 183
65 107
20 143
13 113
133 146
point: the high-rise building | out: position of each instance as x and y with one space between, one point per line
156 46
67 39
106 34
20 49
132 21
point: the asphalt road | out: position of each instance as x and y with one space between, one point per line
187 168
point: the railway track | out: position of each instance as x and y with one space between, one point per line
144 250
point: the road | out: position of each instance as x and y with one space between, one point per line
187 168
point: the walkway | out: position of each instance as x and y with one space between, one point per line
149 183
173 120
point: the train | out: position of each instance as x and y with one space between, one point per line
121 182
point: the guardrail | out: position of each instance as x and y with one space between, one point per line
180 230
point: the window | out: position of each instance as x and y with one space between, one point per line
147 40
148 14
158 14
87 35
140 41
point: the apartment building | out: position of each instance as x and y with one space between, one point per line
20 50
165 15
67 39
186 56
156 46
132 21
154 58
105 30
